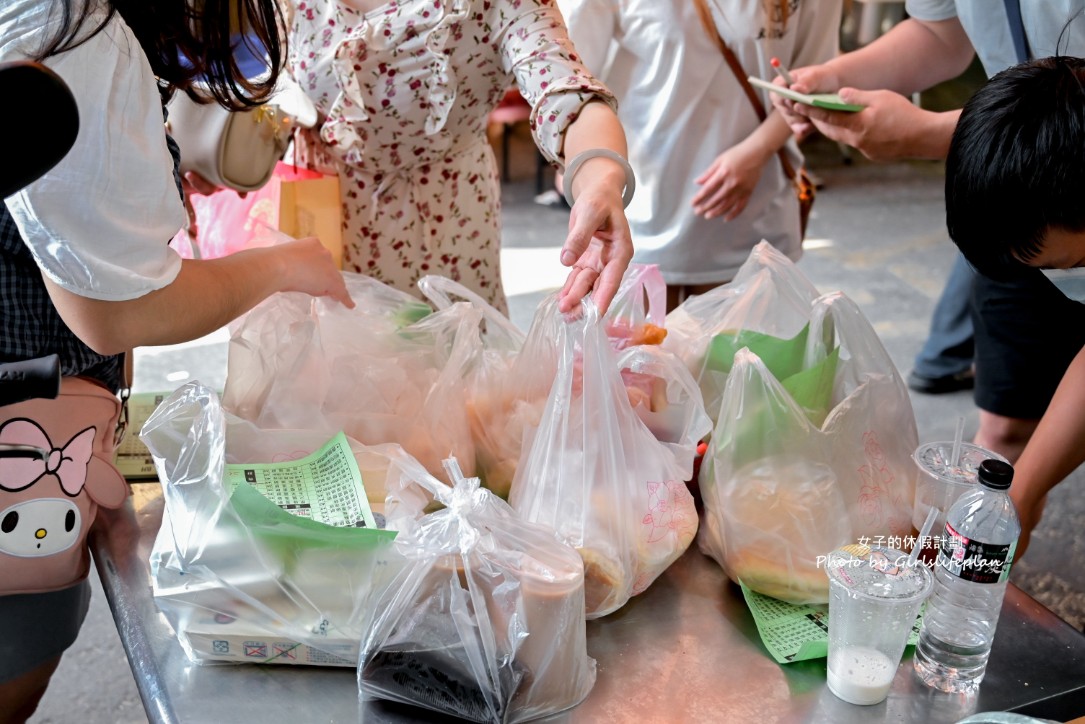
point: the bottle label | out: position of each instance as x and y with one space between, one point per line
975 561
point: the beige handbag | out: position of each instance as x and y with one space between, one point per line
236 149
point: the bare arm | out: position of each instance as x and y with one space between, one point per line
204 296
911 57
599 245
1054 450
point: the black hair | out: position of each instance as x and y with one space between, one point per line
185 40
1016 164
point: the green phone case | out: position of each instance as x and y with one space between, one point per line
829 101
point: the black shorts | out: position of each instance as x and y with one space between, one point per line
37 627
1027 333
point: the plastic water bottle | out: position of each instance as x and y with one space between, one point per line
970 579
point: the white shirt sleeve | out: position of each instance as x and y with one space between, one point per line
98 223
932 10
592 26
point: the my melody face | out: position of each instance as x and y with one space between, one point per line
39 527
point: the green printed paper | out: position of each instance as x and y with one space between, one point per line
290 532
325 485
796 633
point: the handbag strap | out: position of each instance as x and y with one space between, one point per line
736 68
1017 30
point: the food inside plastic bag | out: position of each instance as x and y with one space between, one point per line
389 371
595 472
812 448
483 614
638 311
228 563
500 403
768 296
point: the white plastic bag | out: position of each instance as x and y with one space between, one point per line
813 443
594 472
483 615
230 569
499 405
388 371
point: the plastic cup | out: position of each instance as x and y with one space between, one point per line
874 598
939 483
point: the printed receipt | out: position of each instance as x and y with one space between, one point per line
796 633
325 486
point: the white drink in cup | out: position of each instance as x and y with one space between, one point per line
874 598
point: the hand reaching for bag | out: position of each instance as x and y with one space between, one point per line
599 246
307 266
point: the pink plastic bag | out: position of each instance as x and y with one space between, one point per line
297 202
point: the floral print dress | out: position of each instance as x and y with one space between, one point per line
404 92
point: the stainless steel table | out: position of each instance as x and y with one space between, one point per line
686 650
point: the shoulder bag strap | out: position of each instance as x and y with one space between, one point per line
1017 30
736 68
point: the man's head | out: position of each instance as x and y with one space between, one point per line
1015 174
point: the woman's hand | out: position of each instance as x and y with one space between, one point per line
599 246
727 184
308 267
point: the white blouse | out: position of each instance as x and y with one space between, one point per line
681 106
99 222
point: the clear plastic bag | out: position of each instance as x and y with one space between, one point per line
595 472
498 406
638 311
766 295
483 615
238 578
812 447
388 371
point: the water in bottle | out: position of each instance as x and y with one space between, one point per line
970 579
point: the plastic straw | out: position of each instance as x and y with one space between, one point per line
955 458
927 524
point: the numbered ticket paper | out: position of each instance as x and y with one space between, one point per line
325 486
797 633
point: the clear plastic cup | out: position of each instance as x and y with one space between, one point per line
874 598
939 483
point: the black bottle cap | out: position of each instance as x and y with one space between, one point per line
995 474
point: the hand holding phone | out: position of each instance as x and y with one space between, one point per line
829 101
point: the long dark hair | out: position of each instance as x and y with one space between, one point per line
184 43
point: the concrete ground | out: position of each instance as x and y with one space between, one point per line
877 233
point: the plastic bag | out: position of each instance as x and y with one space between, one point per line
638 311
483 617
768 294
594 472
389 370
815 432
238 578
498 407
